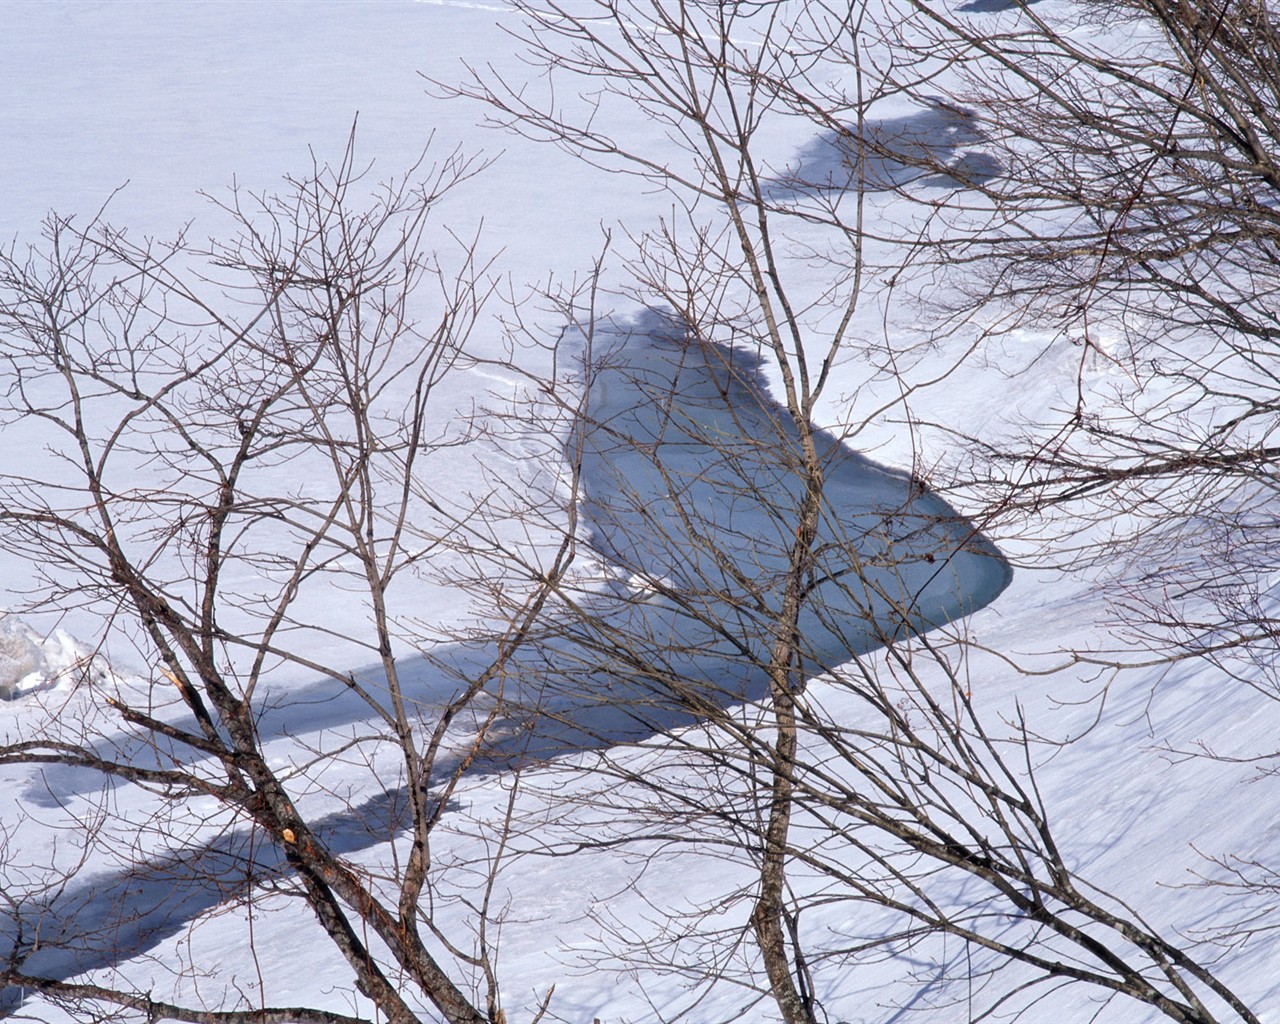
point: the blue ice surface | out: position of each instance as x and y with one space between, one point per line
692 476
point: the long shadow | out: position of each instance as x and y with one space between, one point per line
938 147
689 474
994 6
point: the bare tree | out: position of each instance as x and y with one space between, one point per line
705 549
725 510
235 442
1136 216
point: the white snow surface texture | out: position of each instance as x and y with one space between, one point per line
174 99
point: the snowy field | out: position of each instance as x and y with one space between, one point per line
135 110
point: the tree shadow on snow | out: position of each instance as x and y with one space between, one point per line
938 147
994 6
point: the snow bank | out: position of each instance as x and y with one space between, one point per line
29 662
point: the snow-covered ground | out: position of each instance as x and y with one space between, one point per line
175 99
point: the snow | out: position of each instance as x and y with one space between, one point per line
30 662
175 99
